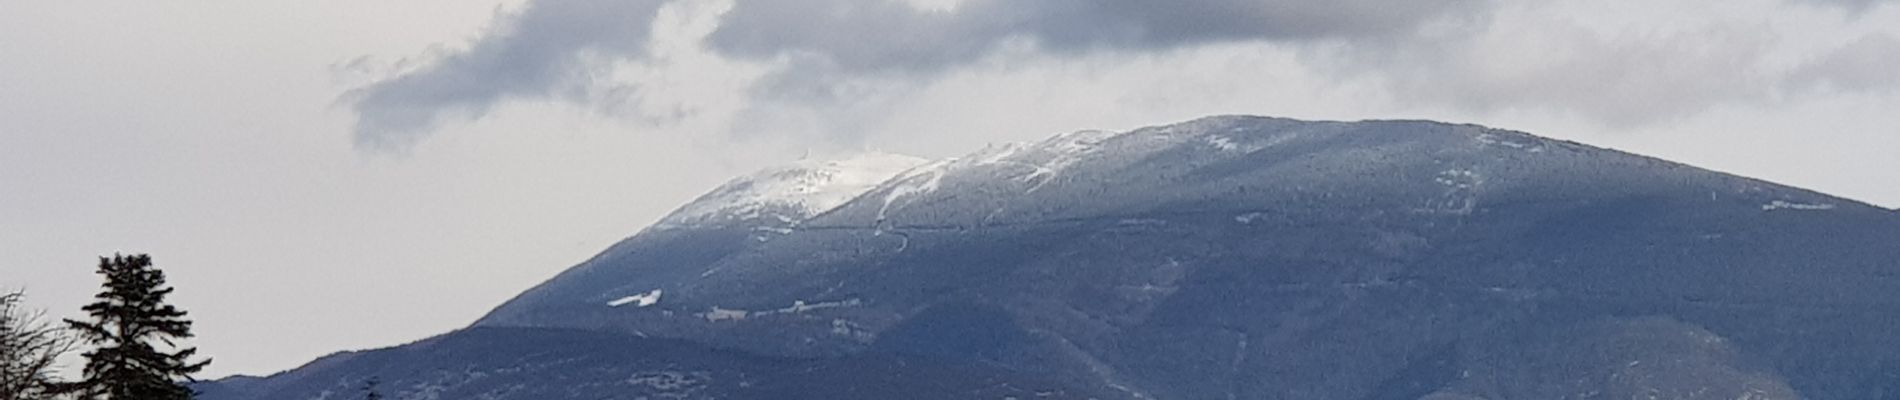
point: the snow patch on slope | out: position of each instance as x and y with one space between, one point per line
717 314
1788 205
790 194
915 182
1222 143
1067 149
1525 144
1043 160
638 300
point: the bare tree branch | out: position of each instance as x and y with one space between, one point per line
30 347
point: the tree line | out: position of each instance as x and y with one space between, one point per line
129 340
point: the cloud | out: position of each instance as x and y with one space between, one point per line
828 63
538 52
1864 65
1856 6
1549 58
549 49
892 36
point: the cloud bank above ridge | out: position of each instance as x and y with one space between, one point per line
1480 55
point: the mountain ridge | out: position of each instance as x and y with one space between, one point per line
1252 257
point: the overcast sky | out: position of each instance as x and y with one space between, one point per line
320 176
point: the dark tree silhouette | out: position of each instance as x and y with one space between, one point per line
126 327
30 347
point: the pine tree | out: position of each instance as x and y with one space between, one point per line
128 322
30 347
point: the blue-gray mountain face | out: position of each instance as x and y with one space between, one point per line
1221 258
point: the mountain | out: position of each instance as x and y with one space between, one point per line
1262 258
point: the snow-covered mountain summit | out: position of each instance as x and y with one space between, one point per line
1221 258
785 195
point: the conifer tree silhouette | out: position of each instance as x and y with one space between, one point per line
126 327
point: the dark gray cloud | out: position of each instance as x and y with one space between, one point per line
831 54
538 52
844 58
895 37
547 49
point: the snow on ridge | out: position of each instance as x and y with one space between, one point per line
1076 143
993 154
1528 143
908 184
1046 160
792 193
1065 150
1060 151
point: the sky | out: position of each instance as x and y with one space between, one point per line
349 174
